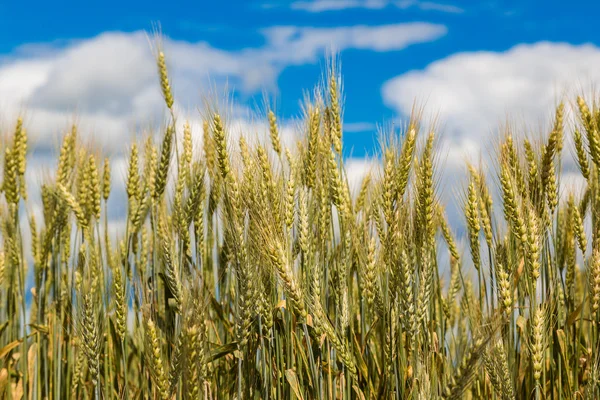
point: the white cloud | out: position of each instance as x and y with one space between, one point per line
352 127
337 5
109 83
357 169
473 94
300 45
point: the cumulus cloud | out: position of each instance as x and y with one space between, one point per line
336 5
473 94
109 84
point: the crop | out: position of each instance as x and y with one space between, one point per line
250 270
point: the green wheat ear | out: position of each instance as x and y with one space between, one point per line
270 272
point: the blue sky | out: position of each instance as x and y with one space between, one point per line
472 63
235 25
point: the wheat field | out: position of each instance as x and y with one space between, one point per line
251 270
